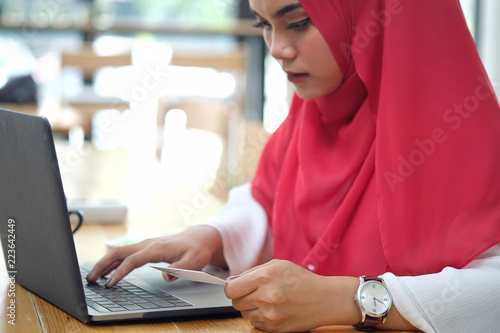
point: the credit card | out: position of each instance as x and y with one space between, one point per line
198 276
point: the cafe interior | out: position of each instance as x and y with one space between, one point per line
158 108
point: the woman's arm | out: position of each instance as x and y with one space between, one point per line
420 301
284 297
454 300
246 237
281 296
241 222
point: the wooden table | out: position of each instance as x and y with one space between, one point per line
114 175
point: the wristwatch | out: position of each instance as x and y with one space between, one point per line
374 301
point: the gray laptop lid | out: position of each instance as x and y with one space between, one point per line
36 234
34 216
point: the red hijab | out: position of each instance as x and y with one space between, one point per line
399 169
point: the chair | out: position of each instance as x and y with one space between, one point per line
232 62
79 109
223 116
219 117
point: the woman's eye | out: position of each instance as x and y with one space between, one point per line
300 25
261 25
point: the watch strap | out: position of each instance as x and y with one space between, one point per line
369 324
372 278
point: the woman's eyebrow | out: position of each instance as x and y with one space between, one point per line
287 9
282 12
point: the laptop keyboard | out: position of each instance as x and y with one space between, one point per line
128 296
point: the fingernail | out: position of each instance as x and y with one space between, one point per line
89 275
170 278
232 278
110 282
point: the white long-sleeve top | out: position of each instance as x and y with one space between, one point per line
453 300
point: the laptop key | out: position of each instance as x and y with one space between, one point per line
115 309
164 304
132 307
96 306
149 305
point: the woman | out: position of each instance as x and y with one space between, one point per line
386 166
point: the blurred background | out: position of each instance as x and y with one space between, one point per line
174 98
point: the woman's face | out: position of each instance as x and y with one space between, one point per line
298 46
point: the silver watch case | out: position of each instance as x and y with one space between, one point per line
366 312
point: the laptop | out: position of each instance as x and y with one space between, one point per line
39 250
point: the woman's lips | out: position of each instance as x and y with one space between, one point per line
296 78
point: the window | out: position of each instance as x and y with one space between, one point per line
210 11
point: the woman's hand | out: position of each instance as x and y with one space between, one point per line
193 248
283 297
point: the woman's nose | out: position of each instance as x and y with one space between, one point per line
281 49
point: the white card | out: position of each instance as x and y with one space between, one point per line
198 276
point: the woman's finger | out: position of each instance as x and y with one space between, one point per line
136 260
243 285
110 261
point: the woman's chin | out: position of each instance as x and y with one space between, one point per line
308 95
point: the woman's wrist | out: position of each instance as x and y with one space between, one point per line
338 297
212 241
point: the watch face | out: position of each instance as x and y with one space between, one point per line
374 298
